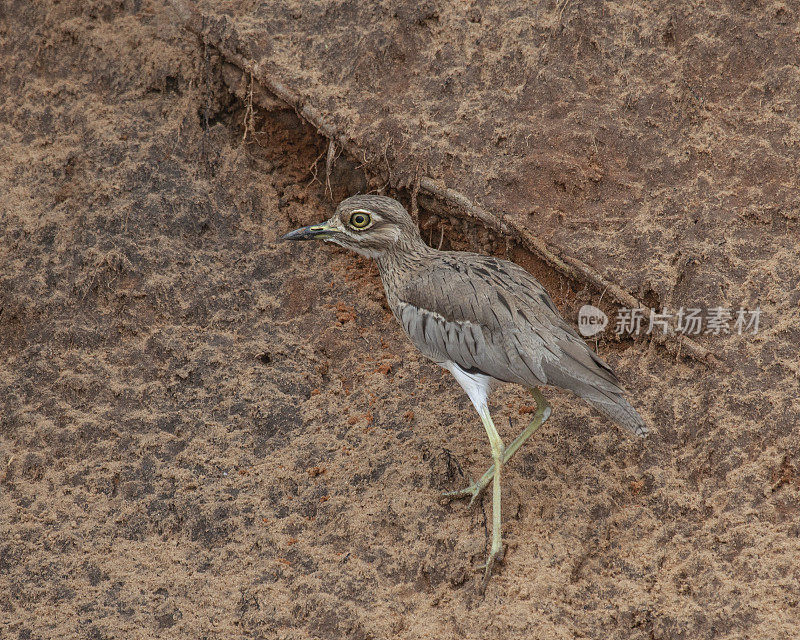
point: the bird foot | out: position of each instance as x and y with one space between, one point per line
473 492
495 556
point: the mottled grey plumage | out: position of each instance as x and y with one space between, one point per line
484 319
491 316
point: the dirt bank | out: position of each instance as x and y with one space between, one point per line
206 433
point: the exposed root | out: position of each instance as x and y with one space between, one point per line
248 112
414 195
331 158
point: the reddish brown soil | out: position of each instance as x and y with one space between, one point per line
207 433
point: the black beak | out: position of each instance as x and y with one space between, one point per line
312 232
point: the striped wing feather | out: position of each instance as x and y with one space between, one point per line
492 316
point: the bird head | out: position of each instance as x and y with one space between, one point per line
369 225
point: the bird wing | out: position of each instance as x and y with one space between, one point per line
491 316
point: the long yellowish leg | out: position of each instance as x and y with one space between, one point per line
475 489
498 450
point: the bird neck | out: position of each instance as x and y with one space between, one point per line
406 254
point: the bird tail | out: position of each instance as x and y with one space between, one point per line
616 408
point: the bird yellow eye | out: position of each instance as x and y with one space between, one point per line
360 220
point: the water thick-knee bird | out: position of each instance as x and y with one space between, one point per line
483 319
